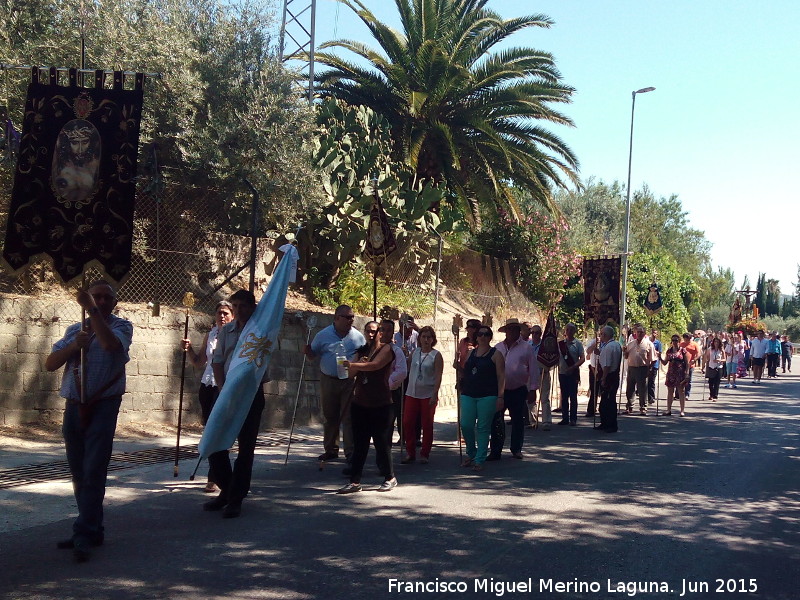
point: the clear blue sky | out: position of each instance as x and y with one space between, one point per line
720 131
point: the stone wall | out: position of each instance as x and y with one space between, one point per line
28 393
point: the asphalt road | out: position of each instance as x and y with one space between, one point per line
709 503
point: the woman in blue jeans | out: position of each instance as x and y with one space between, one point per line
482 386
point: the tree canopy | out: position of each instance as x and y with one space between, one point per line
461 110
225 108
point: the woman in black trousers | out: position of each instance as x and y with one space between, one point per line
371 411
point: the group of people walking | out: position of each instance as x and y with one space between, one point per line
369 381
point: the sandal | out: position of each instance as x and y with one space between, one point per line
477 467
667 414
467 462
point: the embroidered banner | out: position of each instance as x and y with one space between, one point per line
653 303
548 351
74 185
380 238
601 286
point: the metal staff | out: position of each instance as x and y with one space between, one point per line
83 365
622 380
704 382
658 384
401 431
310 323
596 386
458 321
188 302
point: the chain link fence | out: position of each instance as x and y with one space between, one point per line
177 248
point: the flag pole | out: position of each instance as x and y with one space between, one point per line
83 350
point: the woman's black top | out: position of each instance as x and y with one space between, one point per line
480 375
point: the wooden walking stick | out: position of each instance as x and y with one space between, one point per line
188 302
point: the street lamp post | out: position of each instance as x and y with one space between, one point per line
623 291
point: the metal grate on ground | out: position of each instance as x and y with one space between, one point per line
59 470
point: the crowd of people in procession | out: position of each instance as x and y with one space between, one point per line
379 380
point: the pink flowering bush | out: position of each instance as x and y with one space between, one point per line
544 263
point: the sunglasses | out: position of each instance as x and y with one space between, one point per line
483 333
348 317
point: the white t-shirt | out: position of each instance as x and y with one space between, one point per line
611 356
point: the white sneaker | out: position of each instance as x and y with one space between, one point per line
388 485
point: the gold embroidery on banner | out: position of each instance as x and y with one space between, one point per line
255 349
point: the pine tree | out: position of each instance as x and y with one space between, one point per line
761 294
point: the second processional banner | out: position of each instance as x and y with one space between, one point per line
601 287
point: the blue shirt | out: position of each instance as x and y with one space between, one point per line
658 346
323 345
102 367
773 346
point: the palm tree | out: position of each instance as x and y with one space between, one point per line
461 111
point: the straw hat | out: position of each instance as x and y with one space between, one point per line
510 323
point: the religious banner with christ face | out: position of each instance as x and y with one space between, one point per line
601 287
74 184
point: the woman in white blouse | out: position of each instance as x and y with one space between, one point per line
422 394
715 361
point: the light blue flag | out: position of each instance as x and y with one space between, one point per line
250 360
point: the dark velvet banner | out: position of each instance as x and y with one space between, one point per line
601 287
380 238
548 351
74 186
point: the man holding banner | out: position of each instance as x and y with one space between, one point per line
90 421
234 483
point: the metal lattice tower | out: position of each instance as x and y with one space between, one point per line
297 41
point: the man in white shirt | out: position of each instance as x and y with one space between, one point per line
641 355
608 368
758 353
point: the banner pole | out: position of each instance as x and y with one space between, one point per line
253 234
83 350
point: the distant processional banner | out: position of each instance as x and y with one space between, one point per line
75 181
380 238
601 289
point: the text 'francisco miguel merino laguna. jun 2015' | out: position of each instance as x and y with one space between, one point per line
498 587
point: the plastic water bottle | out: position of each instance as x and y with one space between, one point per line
341 357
